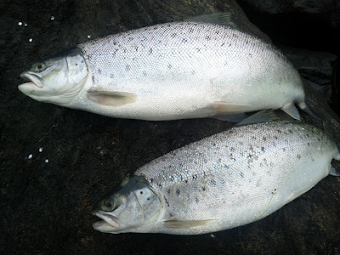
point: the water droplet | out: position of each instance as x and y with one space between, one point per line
30 40
41 149
30 156
52 17
20 23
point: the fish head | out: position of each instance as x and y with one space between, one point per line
130 207
57 80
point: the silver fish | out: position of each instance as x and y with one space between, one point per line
224 181
170 71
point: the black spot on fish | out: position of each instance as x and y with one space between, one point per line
111 75
166 201
93 79
130 39
203 189
242 175
198 49
178 192
222 44
290 131
186 181
136 48
262 149
141 192
150 51
145 73
264 138
169 191
169 66
193 72
148 199
213 182
99 71
127 68
191 30
275 137
184 40
197 200
173 35
208 38
298 156
159 185
194 177
249 55
214 144
151 180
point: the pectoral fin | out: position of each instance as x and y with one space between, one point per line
111 98
185 224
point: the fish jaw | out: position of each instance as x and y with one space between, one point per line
108 224
34 80
33 85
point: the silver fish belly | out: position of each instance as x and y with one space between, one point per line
179 70
224 181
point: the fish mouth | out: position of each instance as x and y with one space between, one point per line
107 225
33 79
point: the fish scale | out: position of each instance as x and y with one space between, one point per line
174 71
230 179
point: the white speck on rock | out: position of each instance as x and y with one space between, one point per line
30 156
30 40
52 17
46 160
20 23
41 149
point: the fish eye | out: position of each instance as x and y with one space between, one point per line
108 205
39 67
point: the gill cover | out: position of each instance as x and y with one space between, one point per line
57 80
130 207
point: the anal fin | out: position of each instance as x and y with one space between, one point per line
291 110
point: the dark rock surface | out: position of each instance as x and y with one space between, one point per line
56 162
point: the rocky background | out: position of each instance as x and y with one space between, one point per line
55 162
